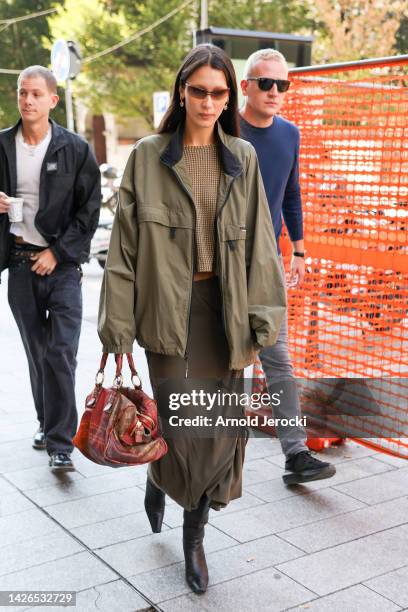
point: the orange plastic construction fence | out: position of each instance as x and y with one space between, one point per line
349 320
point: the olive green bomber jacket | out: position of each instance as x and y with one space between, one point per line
147 284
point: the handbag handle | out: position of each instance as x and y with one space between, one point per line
118 380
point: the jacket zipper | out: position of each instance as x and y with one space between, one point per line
192 266
51 149
192 260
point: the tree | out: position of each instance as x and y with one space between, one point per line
122 82
20 45
402 36
356 29
290 17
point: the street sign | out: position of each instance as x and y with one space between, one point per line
65 60
161 101
60 60
75 59
65 65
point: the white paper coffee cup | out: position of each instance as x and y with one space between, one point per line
15 211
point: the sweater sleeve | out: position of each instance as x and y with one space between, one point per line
292 202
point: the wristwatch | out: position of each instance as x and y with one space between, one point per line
298 254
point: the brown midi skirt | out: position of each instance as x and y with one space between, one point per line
197 466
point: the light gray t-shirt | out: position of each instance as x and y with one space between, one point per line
29 162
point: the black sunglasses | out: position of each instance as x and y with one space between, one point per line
265 84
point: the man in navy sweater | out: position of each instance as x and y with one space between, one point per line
276 142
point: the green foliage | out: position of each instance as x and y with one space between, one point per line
402 37
123 81
20 46
290 17
353 30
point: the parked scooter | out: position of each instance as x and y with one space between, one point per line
110 183
101 239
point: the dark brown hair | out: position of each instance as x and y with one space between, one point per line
203 55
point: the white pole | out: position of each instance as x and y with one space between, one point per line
204 15
68 105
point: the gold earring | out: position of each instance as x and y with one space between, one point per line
181 102
225 107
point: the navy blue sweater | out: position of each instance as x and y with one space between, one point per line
277 148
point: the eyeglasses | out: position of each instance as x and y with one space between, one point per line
201 94
265 84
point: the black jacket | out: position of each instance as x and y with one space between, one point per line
70 194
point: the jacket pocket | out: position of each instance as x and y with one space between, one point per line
172 219
163 279
146 214
232 234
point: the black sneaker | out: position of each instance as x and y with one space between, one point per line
39 439
61 462
305 468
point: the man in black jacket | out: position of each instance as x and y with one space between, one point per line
56 175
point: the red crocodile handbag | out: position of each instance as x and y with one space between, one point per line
120 425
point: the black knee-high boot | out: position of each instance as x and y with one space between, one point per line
154 503
193 536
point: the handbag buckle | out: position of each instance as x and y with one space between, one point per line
118 381
138 384
99 378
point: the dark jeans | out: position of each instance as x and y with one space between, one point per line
48 312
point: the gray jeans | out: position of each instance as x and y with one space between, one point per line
279 376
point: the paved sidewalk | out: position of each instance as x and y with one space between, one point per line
337 544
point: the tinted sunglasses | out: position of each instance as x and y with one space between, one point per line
200 94
265 84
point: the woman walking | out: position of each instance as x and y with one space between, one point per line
193 275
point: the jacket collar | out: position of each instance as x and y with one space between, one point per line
173 152
59 135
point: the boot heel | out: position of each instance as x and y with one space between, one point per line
154 504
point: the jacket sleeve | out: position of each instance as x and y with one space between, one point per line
5 236
87 201
116 324
266 291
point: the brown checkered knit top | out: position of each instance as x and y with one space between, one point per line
204 168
